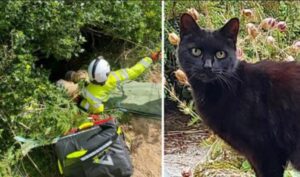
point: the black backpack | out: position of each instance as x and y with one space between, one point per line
99 151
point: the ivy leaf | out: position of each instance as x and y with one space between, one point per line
246 166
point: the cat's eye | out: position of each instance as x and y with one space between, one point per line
196 52
220 54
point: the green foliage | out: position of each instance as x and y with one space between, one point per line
215 14
30 105
137 21
53 27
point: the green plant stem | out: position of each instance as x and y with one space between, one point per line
30 159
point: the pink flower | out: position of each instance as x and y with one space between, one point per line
270 40
281 26
296 46
268 23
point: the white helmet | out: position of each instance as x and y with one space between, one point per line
98 70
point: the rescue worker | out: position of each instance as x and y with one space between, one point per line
103 81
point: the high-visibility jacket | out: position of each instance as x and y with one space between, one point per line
96 95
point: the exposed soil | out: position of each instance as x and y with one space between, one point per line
182 150
143 137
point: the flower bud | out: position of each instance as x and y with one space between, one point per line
296 46
281 26
181 77
247 12
252 30
250 25
194 13
289 58
173 39
270 40
268 23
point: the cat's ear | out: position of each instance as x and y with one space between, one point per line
187 25
231 29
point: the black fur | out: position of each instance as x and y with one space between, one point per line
254 107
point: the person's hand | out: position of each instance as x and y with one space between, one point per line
155 56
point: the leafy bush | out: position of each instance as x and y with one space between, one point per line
31 106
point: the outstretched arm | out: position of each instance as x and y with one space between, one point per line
137 69
134 71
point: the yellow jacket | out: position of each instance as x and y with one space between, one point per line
96 95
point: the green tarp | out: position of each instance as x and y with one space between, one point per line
138 97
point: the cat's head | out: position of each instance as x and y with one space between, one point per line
205 55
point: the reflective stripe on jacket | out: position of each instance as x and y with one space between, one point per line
95 95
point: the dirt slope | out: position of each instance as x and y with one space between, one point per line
144 140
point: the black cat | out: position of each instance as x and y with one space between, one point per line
253 107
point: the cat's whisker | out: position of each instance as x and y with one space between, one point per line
233 75
220 81
225 81
228 83
193 75
231 84
228 74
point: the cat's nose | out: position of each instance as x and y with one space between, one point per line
208 64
